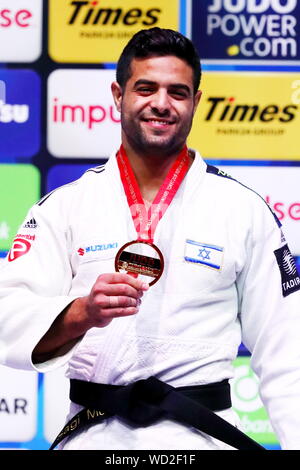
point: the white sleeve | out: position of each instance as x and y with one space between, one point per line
269 294
35 280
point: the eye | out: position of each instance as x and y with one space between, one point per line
179 93
145 90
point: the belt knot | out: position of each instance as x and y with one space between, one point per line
139 402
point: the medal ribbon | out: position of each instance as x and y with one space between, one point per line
145 221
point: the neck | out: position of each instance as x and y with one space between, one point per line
150 170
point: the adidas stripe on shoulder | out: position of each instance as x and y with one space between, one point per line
44 199
97 169
216 171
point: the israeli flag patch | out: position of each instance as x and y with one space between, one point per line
204 254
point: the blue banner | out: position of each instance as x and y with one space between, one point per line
247 31
20 104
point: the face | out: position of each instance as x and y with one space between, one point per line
157 105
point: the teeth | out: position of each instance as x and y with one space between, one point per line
159 122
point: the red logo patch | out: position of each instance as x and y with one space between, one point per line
81 251
19 248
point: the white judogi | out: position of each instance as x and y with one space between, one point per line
221 284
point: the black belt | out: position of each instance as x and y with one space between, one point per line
146 401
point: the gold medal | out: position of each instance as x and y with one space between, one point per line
141 258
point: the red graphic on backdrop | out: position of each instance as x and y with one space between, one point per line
20 17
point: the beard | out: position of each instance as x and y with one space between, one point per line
155 142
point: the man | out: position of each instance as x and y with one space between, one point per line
219 267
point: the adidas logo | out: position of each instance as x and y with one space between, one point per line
31 223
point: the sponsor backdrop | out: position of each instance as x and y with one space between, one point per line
57 118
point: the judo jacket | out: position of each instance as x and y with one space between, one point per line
228 277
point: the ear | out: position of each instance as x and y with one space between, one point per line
117 95
197 99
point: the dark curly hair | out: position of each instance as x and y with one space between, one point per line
158 42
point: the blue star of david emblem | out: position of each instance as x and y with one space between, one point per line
204 253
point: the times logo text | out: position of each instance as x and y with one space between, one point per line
88 13
224 108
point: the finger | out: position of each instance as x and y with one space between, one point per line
133 274
110 313
118 289
115 301
123 278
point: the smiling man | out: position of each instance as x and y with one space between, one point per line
147 273
156 112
